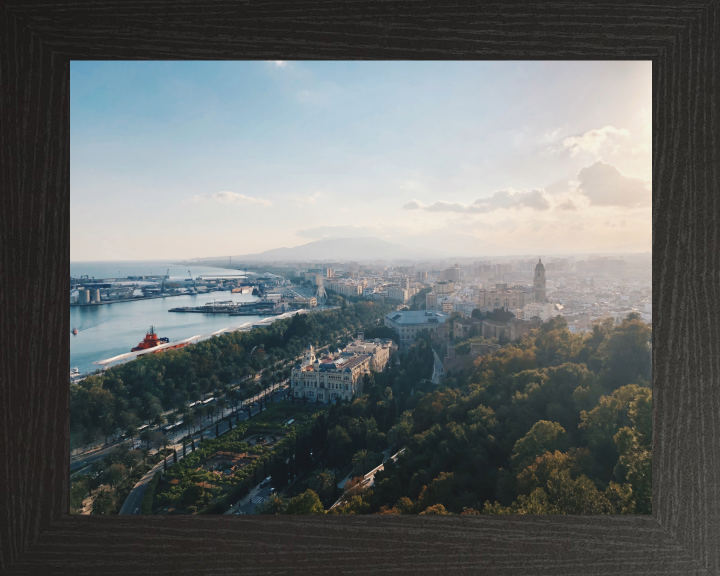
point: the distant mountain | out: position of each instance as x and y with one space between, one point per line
336 249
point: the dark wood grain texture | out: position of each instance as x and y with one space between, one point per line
37 41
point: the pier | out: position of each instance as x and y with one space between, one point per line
262 308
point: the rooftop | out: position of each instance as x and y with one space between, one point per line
417 317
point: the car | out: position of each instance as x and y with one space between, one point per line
265 482
272 491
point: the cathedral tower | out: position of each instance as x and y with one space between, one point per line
539 282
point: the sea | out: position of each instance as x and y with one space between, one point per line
108 330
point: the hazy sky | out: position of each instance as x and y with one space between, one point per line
189 159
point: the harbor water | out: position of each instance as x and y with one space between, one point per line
108 330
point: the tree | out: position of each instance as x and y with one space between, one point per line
543 437
157 439
340 443
635 448
192 495
306 503
212 411
323 483
145 437
132 458
116 474
79 489
275 504
103 503
131 431
435 509
362 462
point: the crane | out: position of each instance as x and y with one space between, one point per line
167 277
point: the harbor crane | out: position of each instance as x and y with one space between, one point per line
167 277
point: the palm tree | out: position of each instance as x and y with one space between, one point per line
222 404
200 414
323 481
211 411
362 460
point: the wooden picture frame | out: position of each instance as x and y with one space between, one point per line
37 534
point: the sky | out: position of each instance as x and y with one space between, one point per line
179 160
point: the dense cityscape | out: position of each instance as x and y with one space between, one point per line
322 406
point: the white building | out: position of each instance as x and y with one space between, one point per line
379 350
398 294
465 307
330 377
345 288
542 310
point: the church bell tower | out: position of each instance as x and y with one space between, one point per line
539 282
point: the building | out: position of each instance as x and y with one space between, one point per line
463 327
519 327
447 306
379 350
483 349
539 283
304 302
409 323
493 329
452 274
464 307
431 301
329 378
345 288
398 294
501 297
544 311
444 287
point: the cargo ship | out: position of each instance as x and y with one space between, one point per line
152 341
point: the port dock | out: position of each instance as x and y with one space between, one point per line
261 308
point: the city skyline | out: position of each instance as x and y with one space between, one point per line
479 158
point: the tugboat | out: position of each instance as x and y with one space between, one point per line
74 330
152 341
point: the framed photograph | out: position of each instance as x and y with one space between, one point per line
374 304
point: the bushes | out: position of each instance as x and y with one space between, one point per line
220 506
149 493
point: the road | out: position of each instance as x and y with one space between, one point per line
437 369
133 503
248 504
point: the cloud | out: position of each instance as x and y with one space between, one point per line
569 205
414 205
305 200
230 198
592 140
604 185
536 199
442 206
340 231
